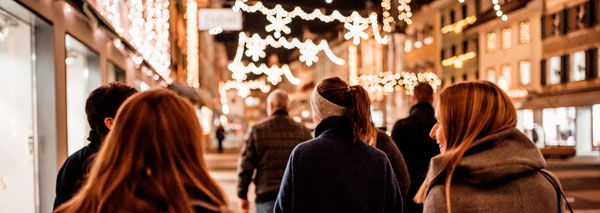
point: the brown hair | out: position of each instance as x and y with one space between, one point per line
468 111
358 106
423 92
104 102
150 161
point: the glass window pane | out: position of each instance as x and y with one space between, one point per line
115 74
554 70
506 38
83 76
491 42
559 126
525 72
578 69
491 75
524 32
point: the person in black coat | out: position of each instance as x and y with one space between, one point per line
412 138
100 108
339 170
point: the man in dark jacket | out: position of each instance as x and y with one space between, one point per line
412 138
101 108
267 150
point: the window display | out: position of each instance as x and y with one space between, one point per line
83 76
559 126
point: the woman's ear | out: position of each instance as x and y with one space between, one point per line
108 122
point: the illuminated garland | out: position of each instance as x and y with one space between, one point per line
404 13
387 82
388 20
459 60
280 17
460 25
243 88
498 11
192 44
256 45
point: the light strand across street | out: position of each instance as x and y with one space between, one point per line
387 82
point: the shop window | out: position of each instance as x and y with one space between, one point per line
525 123
141 85
115 74
505 79
506 38
525 72
578 68
554 70
83 76
491 42
491 75
524 32
559 126
596 126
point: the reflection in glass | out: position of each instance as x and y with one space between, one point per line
83 76
115 74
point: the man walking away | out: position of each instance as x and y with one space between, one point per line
220 137
412 138
267 150
101 108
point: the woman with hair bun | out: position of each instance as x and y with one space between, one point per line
339 170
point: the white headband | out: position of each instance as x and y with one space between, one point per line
323 108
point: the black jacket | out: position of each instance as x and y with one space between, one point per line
72 174
412 138
267 150
386 144
335 173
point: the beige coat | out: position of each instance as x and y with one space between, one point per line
499 173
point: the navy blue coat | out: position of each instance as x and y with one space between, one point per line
335 173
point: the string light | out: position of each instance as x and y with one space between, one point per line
375 27
192 44
284 16
387 82
460 25
404 13
244 88
498 10
109 9
459 60
387 16
255 47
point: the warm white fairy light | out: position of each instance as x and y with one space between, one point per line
459 25
387 82
354 19
376 34
244 88
404 13
109 9
498 10
256 45
278 24
356 29
192 44
388 20
459 60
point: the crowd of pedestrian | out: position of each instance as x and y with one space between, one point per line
146 154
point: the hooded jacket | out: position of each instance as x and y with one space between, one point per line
336 173
499 173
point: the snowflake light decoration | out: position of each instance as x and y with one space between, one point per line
309 53
256 50
278 24
404 11
356 29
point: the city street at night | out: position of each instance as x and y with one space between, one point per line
257 106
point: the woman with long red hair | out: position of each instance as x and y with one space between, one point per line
151 161
486 164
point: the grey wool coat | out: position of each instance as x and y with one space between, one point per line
499 173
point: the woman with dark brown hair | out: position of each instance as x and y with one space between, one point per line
339 170
486 164
151 161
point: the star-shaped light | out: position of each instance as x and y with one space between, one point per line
256 50
278 24
356 29
308 53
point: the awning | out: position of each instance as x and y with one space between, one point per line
580 98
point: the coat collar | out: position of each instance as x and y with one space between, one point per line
279 112
334 123
422 108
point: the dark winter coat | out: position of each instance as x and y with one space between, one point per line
412 138
336 173
386 144
72 174
267 150
499 173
